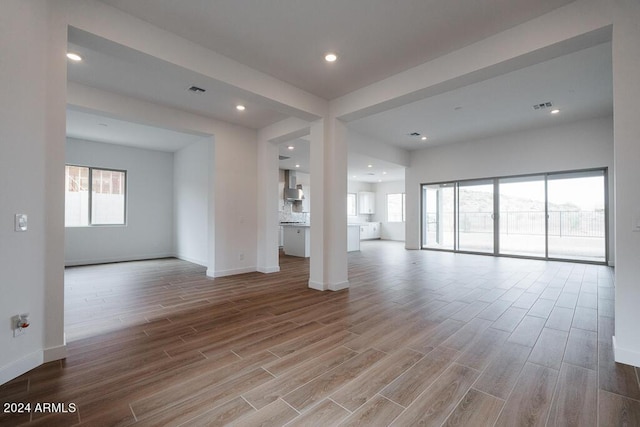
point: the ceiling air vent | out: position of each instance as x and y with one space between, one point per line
283 157
196 89
542 106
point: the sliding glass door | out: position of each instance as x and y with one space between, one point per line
577 215
522 216
550 216
475 216
438 222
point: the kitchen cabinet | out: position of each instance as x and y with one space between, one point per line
366 203
297 241
353 237
370 230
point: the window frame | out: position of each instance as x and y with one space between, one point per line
125 191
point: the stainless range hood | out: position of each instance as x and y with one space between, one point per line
292 190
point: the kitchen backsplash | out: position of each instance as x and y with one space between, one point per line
288 216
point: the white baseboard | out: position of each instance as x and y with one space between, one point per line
55 353
192 260
232 272
318 286
268 270
20 366
339 286
628 357
107 260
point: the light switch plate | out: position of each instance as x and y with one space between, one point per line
21 222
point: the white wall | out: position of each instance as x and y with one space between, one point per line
191 201
149 229
31 141
578 145
388 230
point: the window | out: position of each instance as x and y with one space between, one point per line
351 204
94 196
395 207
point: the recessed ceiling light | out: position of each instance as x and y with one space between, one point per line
240 107
379 180
330 57
74 56
384 172
555 111
297 166
291 147
369 166
424 138
354 176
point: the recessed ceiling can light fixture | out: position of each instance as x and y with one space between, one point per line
291 147
240 107
384 172
297 166
424 138
74 56
369 166
330 57
555 111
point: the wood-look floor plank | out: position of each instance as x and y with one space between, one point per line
484 348
582 349
475 409
377 412
409 385
302 374
527 332
530 402
501 375
616 410
434 405
326 413
276 414
363 388
224 414
575 401
549 350
320 387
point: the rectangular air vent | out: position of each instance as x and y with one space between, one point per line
197 89
543 105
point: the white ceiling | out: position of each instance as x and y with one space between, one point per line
287 38
373 38
97 127
579 84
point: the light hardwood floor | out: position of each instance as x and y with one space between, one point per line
420 337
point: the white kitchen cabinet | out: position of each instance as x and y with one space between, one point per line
370 230
353 237
297 241
366 203
374 229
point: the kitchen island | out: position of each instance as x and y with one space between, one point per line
296 241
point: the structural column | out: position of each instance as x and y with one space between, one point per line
267 206
328 270
626 92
